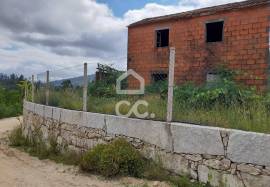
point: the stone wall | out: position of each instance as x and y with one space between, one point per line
223 157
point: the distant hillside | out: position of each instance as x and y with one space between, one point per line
76 81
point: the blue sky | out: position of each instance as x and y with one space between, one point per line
120 7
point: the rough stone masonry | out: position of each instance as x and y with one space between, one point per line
222 157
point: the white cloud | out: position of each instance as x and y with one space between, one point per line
205 3
49 33
152 10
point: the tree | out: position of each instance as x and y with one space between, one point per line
66 84
25 87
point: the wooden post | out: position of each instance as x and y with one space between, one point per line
33 88
85 87
170 85
47 87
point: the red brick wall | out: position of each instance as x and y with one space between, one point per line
245 47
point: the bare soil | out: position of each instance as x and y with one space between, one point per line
18 169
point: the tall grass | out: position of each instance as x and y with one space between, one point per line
38 147
224 104
255 118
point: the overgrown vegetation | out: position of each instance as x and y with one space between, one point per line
121 158
118 158
105 86
38 147
222 103
10 95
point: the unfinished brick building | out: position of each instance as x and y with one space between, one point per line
235 35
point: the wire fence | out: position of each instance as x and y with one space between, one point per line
97 87
157 95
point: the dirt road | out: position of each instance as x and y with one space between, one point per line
18 169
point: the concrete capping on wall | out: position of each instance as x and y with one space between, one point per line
238 146
197 139
153 132
249 147
94 120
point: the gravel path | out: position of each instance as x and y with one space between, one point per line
18 169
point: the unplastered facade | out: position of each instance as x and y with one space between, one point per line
234 35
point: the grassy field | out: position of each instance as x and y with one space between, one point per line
223 103
253 116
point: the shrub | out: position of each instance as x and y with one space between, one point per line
106 84
16 137
266 101
53 147
155 171
159 87
10 103
91 160
36 146
185 182
102 88
67 157
224 92
116 158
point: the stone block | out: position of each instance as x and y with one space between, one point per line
175 163
29 106
229 180
39 110
93 120
152 132
255 181
48 111
249 147
218 164
25 105
77 118
32 107
194 158
193 139
66 116
217 178
245 168
57 113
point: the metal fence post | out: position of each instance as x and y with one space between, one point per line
47 87
33 88
170 85
85 87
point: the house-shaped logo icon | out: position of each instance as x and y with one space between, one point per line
130 72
